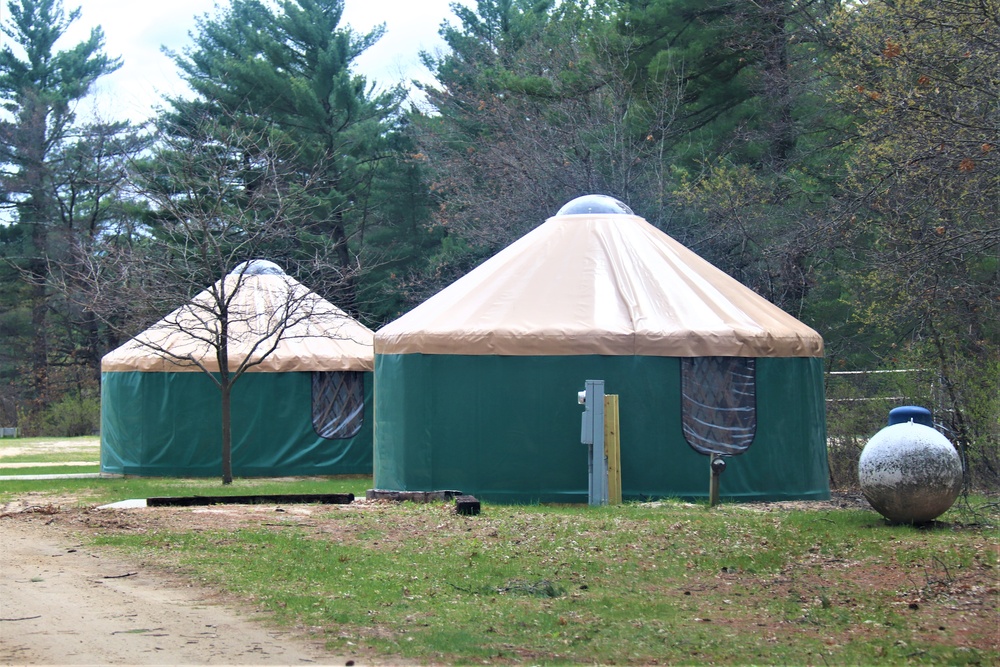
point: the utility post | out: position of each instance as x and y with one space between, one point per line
599 431
717 464
592 435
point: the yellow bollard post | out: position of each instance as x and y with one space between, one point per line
612 449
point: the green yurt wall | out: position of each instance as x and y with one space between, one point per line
169 425
507 429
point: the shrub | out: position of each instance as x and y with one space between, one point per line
69 417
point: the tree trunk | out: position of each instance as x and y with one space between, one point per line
37 213
226 393
39 354
349 289
778 91
227 433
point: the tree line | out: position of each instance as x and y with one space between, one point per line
839 158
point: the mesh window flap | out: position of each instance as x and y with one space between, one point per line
338 403
719 404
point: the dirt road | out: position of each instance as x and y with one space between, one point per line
63 603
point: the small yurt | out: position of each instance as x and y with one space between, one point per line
476 388
303 406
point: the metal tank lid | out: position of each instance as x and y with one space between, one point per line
910 413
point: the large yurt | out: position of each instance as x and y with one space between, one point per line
476 388
303 406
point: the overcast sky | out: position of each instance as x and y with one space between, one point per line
136 29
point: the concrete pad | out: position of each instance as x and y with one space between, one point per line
125 504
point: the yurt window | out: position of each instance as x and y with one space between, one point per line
338 403
719 403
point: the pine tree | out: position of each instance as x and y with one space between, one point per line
531 110
756 162
38 88
288 72
743 68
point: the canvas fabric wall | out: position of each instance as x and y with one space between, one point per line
168 424
507 428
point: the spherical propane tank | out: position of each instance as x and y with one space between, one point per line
909 472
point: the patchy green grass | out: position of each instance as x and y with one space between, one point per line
49 450
102 491
76 441
85 492
665 583
54 457
51 470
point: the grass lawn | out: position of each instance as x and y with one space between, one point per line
657 583
48 450
671 583
91 492
50 455
51 469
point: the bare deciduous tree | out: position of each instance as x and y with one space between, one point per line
212 207
920 76
534 107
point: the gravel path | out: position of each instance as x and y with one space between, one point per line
62 603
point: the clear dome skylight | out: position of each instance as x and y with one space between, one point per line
595 204
257 267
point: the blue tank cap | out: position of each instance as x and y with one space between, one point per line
908 413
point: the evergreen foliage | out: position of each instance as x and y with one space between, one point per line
58 178
840 158
531 109
287 73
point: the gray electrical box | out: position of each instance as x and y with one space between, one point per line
586 421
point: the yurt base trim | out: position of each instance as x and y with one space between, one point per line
577 498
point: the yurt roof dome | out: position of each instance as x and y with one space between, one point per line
589 281
270 313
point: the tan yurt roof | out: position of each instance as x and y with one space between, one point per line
598 283
266 307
